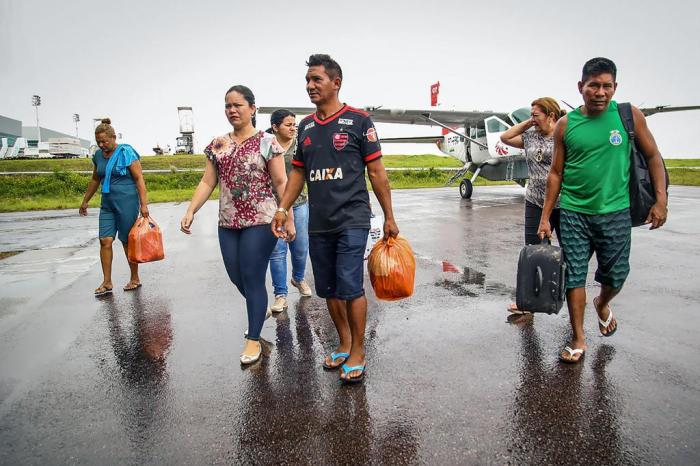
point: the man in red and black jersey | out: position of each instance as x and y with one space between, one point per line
335 145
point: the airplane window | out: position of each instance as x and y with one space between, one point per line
494 125
520 115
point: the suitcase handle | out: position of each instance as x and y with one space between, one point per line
538 280
546 240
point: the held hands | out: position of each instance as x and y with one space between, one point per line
545 229
278 225
83 209
657 215
291 230
186 223
390 229
283 227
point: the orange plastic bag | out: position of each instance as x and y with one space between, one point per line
145 241
392 268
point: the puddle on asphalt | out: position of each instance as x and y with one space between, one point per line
466 281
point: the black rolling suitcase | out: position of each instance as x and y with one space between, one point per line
541 274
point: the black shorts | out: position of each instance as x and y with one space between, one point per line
337 260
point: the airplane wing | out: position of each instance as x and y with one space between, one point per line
298 111
667 108
413 140
414 117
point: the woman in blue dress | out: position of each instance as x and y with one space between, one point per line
118 169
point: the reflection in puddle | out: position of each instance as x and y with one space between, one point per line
465 281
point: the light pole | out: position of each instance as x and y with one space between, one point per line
76 119
36 101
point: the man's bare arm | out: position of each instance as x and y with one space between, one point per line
556 173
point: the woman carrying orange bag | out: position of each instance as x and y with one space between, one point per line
118 169
145 241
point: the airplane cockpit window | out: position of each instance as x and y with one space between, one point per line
495 125
520 115
476 132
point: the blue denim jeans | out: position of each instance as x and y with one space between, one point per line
299 249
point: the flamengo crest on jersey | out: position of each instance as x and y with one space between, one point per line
340 140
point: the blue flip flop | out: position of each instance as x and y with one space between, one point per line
346 369
335 356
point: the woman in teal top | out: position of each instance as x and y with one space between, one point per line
118 168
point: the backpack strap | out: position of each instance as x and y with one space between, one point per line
624 109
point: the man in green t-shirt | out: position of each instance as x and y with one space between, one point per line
591 169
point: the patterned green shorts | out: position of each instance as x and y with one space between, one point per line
608 235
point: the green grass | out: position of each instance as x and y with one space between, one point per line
167 162
429 179
160 162
64 189
682 162
684 177
419 161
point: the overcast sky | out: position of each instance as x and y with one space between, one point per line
137 61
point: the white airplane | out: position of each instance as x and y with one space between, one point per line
474 138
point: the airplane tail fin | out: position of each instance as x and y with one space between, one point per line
434 92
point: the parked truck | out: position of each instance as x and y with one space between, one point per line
184 144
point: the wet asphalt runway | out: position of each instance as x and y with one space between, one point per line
152 377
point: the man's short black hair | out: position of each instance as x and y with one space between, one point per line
332 67
597 66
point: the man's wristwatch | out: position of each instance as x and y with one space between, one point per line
283 210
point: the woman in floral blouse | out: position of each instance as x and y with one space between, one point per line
245 163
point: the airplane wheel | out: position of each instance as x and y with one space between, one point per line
465 189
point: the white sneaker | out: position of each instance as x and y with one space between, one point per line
280 304
302 286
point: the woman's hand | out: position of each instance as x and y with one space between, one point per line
83 209
144 211
186 223
544 229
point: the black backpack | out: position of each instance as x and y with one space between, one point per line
642 194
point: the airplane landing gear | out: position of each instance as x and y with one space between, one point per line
465 189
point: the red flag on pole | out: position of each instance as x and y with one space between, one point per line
434 91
